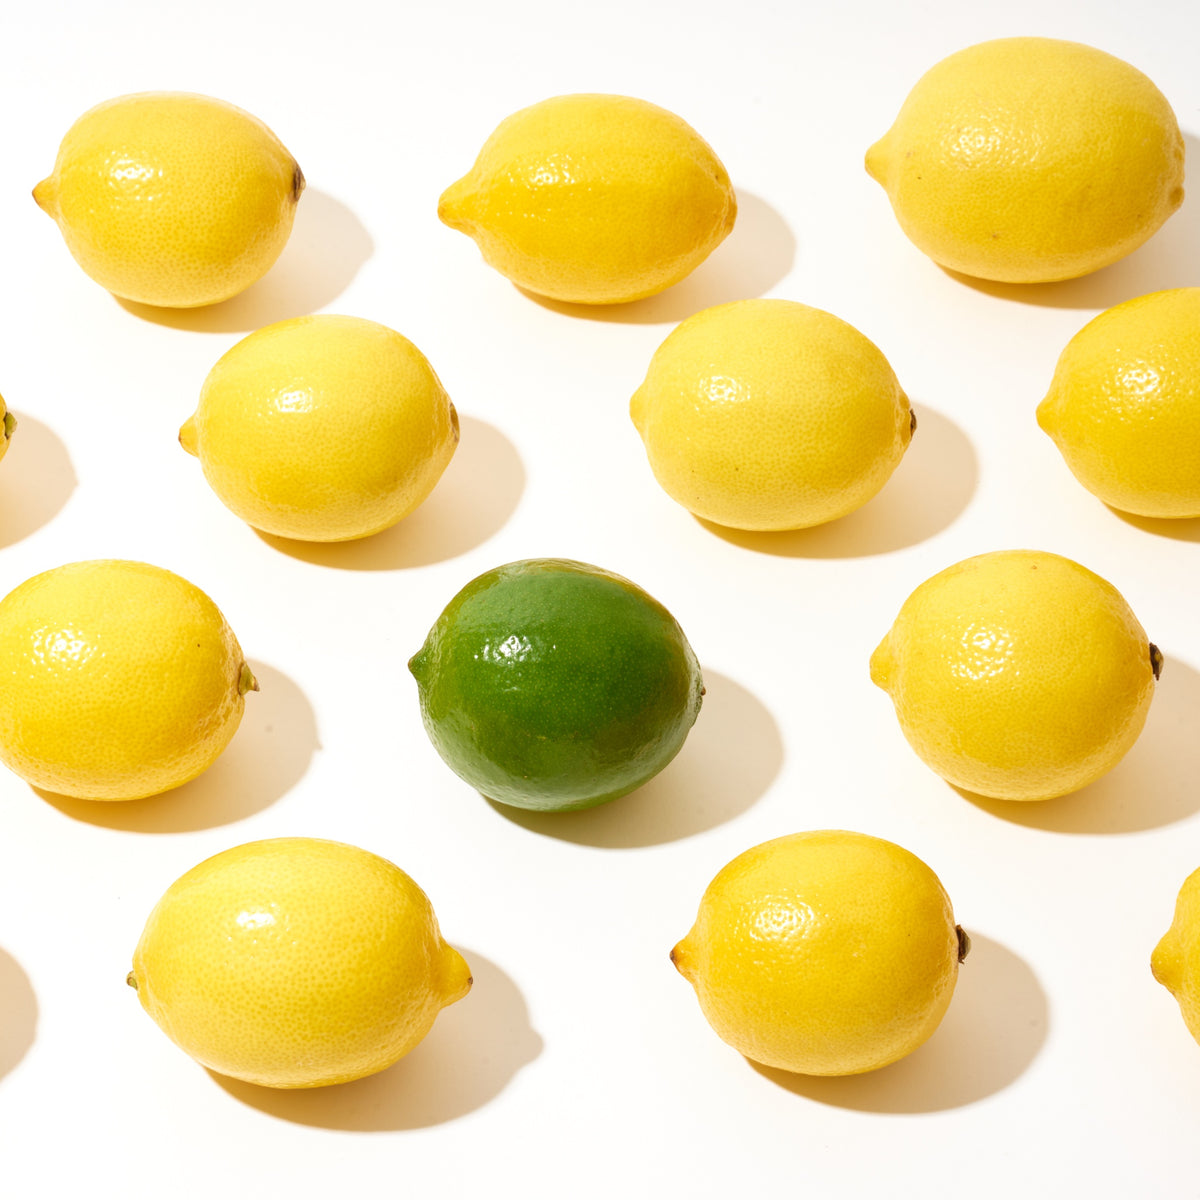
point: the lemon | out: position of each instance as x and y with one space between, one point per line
1175 962
552 684
8 424
1018 674
768 414
824 953
117 680
1124 405
1030 159
322 428
296 962
594 199
172 199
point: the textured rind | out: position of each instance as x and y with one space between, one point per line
771 415
1176 959
117 680
295 963
823 953
1123 407
1028 160
323 428
595 199
1018 674
172 199
551 684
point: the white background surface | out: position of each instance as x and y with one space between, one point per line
580 1064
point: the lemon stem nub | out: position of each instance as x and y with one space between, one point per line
246 680
10 424
912 421
297 182
131 979
964 943
1156 660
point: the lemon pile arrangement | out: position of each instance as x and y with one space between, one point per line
555 685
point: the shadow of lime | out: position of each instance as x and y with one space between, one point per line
267 757
732 755
1157 783
18 1004
477 494
756 256
327 247
928 491
36 480
992 1032
1170 259
470 1056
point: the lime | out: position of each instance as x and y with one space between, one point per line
552 685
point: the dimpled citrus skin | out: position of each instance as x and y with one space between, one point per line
550 684
1124 405
295 963
1018 674
823 953
1030 159
322 428
117 680
1175 962
8 424
594 199
172 199
768 414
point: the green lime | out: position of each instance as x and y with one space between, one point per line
554 685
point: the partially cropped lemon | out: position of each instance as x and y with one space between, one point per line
767 414
592 198
117 680
8 425
824 953
1018 674
1175 962
172 199
1124 405
1030 159
322 428
295 963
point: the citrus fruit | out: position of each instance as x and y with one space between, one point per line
550 684
1124 405
1018 674
296 962
8 424
1029 159
594 199
824 953
172 199
768 414
322 428
1175 962
117 680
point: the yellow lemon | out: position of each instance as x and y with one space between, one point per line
117 680
1018 674
172 199
8 424
767 414
594 199
1124 405
295 963
824 953
1175 962
322 428
1029 159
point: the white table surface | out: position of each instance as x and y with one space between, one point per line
580 1064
